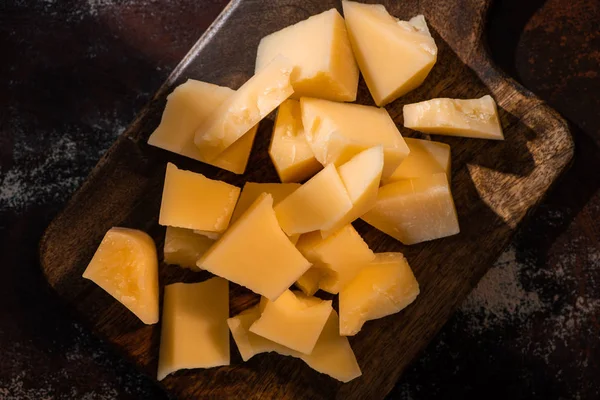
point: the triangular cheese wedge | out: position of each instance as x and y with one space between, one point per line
126 267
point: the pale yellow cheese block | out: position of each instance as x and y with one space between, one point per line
332 354
426 158
318 204
383 287
473 118
291 155
255 253
394 56
193 201
126 267
183 247
309 281
337 258
187 107
361 177
293 323
415 210
320 51
260 95
194 330
336 132
252 190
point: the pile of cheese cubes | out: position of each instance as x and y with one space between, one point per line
270 237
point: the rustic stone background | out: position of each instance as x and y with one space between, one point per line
75 73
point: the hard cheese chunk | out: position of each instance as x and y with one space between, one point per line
252 190
415 210
337 131
254 252
291 155
309 281
332 354
426 158
126 267
361 177
337 258
183 247
474 118
192 201
194 326
293 323
239 113
383 287
320 51
394 56
318 204
187 107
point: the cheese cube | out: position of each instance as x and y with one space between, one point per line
318 204
250 344
309 281
194 330
394 56
187 107
293 323
255 253
426 158
473 118
126 267
239 113
361 177
251 191
319 48
337 258
291 155
383 287
183 247
192 201
332 354
415 210
338 131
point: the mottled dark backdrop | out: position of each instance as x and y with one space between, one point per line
75 73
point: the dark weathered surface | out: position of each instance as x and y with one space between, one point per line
495 186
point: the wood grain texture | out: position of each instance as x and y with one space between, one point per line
495 185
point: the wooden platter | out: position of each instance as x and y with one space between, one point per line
495 186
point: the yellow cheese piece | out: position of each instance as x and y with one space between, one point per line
293 323
361 177
338 131
383 287
251 191
309 281
473 118
426 158
415 210
319 48
187 107
332 354
260 95
194 326
318 204
394 56
192 201
255 253
291 155
337 258
183 247
126 267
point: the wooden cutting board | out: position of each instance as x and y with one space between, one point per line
495 185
